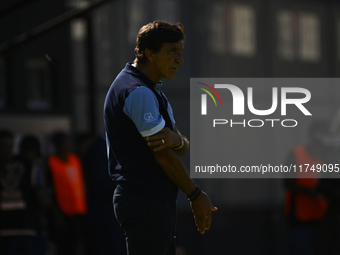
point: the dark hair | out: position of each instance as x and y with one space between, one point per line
153 35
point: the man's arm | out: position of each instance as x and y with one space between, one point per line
143 103
176 171
171 139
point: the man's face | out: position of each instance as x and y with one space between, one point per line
167 60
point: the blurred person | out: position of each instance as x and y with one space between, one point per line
21 204
144 146
104 234
305 205
66 176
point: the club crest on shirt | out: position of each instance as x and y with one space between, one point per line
148 116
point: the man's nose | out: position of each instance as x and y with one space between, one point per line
179 58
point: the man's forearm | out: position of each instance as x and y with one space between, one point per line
175 169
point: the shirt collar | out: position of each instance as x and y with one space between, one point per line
129 68
158 86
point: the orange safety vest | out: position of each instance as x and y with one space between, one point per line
69 184
307 208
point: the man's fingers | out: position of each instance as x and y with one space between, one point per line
196 222
161 134
202 225
159 145
159 142
209 218
154 137
208 222
169 137
202 209
159 148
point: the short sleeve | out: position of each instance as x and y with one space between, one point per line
143 109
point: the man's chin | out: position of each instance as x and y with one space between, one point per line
171 76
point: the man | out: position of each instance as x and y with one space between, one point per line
143 138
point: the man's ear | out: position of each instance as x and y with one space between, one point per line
149 54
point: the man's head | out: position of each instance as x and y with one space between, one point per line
152 36
159 50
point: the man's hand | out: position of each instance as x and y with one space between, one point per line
202 208
164 139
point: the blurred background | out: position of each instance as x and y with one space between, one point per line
59 57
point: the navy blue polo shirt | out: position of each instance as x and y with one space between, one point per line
135 108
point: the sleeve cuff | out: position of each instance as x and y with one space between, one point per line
153 130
